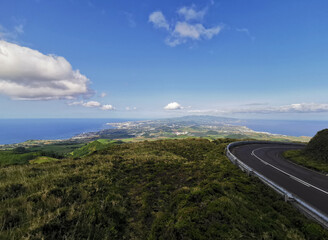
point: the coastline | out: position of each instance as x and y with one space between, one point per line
138 128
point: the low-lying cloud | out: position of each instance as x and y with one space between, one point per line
291 108
27 74
189 27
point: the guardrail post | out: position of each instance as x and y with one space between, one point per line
249 172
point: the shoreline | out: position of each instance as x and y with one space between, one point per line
148 125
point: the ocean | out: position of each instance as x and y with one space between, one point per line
286 127
20 130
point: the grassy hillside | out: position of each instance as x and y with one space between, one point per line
317 148
299 157
92 147
43 159
21 155
315 154
8 157
167 189
59 148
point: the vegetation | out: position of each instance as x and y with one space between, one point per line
315 154
51 152
317 148
59 148
115 134
20 150
92 147
21 155
299 157
12 158
166 189
43 159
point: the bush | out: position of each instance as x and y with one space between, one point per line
20 150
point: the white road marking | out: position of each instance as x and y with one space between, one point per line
291 176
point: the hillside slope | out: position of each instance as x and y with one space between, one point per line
167 189
92 147
315 155
317 148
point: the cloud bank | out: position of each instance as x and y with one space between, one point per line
291 108
27 74
189 27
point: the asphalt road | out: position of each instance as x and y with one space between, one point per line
310 186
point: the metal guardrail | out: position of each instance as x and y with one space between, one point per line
304 207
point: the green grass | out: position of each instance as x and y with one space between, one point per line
59 148
42 159
20 156
7 157
93 146
166 189
301 158
106 141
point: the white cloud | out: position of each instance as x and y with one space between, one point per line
75 103
19 28
27 74
301 108
190 13
130 108
158 19
103 94
91 104
255 104
6 34
246 31
291 108
107 107
182 31
207 111
172 42
194 31
173 106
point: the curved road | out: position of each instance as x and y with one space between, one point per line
310 186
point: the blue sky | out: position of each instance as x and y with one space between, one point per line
148 59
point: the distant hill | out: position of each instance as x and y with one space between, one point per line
92 147
317 148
